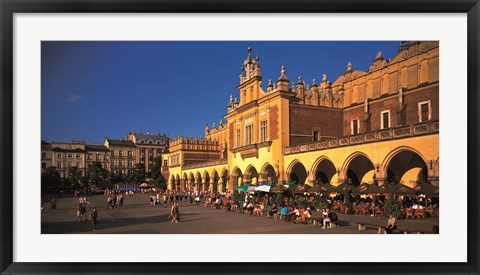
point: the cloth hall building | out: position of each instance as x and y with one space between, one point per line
369 126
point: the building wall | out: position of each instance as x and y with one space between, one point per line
304 120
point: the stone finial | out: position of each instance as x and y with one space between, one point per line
379 54
257 58
231 99
270 82
324 77
213 125
300 81
314 82
236 100
249 49
349 66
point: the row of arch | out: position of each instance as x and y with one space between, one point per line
405 165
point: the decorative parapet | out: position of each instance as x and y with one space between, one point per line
423 128
205 164
251 150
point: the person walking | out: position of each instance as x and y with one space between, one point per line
53 203
174 212
165 199
93 217
109 202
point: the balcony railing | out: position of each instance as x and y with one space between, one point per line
205 164
418 129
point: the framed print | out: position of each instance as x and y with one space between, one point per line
244 137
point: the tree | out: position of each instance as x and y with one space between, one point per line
138 173
73 175
156 168
160 182
50 179
115 178
96 173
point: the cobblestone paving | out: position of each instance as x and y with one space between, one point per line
138 217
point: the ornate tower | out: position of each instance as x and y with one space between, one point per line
250 79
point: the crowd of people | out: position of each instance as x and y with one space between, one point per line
295 208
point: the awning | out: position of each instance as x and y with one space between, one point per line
263 188
243 188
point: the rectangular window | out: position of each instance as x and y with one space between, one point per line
238 138
142 150
79 165
44 165
424 112
98 157
165 162
129 163
70 164
130 153
249 134
44 155
78 156
112 153
120 163
105 157
59 164
59 156
120 153
70 156
263 131
113 163
385 120
150 150
105 166
355 126
315 135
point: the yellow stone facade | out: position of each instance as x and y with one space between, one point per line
366 126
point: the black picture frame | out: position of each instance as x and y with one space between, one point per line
9 7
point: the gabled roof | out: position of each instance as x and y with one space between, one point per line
124 143
93 147
145 137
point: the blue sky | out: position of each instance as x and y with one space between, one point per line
93 89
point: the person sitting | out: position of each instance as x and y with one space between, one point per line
326 219
308 215
294 214
273 211
257 211
284 212
300 217
250 208
391 224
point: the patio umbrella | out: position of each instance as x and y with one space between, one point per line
278 188
143 185
399 189
301 188
368 189
322 188
341 188
243 188
263 188
427 189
